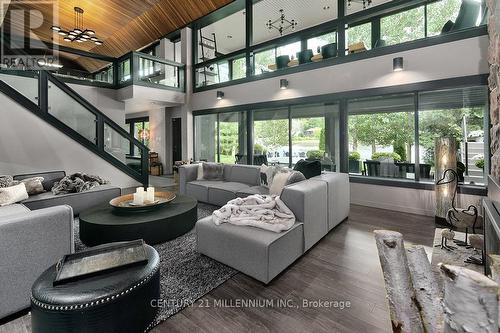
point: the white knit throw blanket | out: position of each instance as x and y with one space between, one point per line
260 211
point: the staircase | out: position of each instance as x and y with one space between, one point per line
55 103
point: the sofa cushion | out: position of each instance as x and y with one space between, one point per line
246 174
13 209
6 181
34 185
199 189
220 194
259 253
252 190
49 178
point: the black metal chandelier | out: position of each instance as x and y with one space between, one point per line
281 24
79 34
366 3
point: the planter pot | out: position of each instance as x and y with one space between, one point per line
329 50
305 56
353 166
282 61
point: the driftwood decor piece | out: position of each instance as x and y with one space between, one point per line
405 316
469 301
426 288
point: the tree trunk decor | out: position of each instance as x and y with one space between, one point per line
446 158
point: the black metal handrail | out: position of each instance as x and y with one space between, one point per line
98 147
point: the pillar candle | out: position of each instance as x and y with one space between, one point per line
150 194
138 199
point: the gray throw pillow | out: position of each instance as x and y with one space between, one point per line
6 181
295 177
33 185
213 171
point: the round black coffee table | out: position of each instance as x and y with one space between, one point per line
103 224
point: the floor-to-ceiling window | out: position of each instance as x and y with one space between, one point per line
232 137
270 136
315 134
382 136
205 134
460 114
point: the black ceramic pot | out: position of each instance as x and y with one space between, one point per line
329 50
305 56
282 61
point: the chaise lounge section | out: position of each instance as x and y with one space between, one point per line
319 204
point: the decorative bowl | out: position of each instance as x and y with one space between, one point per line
124 202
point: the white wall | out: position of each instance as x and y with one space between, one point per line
28 144
454 59
407 200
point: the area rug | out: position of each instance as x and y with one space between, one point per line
185 275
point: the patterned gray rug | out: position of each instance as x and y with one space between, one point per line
185 275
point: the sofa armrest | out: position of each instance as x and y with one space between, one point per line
308 201
31 242
187 173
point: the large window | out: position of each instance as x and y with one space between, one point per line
317 42
382 136
359 37
439 13
387 136
232 137
270 136
315 134
456 113
205 133
403 27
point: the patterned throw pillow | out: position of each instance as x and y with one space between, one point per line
5 181
33 185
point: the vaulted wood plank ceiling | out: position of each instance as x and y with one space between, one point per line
123 25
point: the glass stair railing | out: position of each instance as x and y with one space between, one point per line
59 105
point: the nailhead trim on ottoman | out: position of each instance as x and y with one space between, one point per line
94 305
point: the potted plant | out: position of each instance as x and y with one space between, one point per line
479 161
315 154
354 158
395 156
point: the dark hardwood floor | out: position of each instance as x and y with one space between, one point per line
344 266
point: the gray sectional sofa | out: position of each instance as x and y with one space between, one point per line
78 201
31 241
319 204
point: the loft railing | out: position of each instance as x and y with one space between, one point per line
52 100
147 70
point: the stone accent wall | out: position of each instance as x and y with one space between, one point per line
494 84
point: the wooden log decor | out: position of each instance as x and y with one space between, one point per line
426 289
405 316
470 301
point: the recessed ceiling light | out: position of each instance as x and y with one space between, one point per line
67 39
98 42
91 32
79 40
78 31
326 7
55 28
62 33
94 39
73 33
229 36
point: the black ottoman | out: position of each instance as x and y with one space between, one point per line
118 301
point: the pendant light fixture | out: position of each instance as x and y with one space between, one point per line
79 33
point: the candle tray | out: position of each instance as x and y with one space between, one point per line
124 203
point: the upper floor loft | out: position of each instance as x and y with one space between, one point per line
250 40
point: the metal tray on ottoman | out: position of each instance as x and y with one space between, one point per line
118 301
